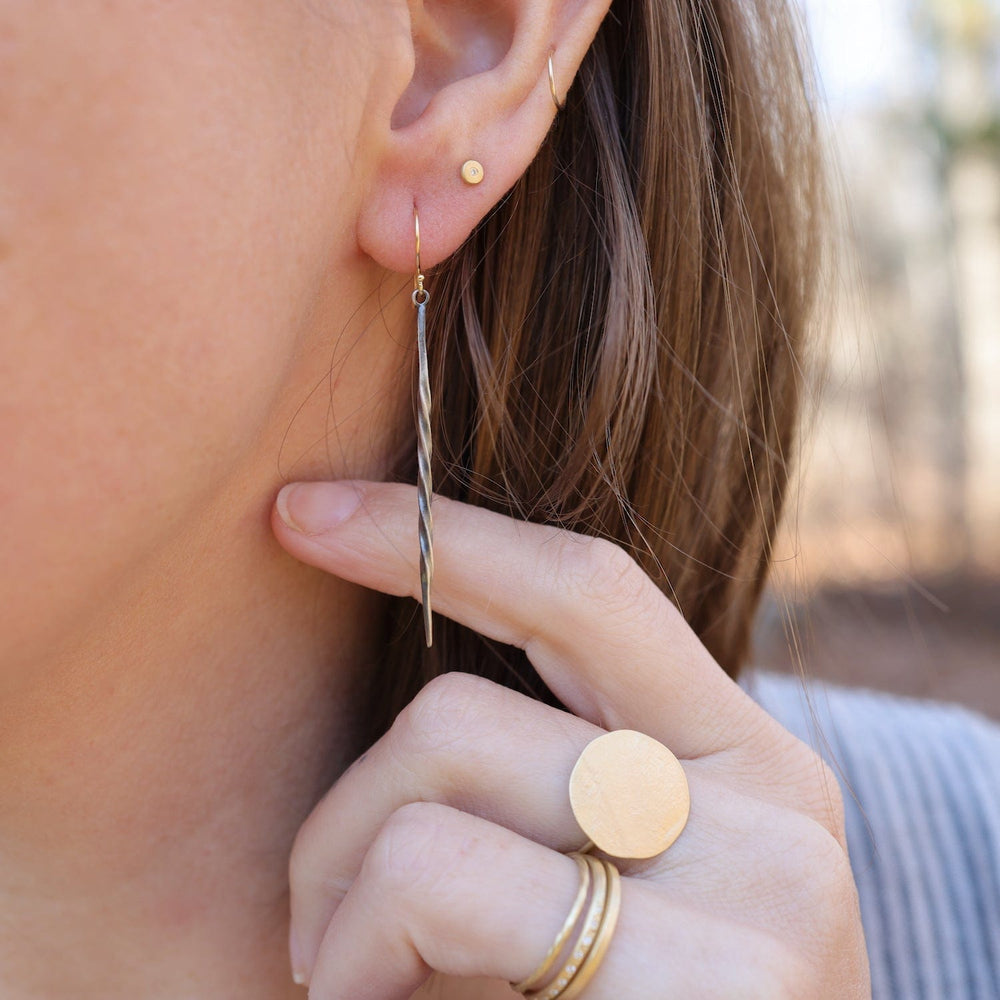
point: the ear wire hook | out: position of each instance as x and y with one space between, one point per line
418 280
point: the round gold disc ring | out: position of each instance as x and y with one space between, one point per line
629 794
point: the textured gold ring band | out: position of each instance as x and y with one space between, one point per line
609 920
594 937
538 976
600 880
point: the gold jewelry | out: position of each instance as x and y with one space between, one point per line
552 85
557 946
592 941
472 171
609 920
585 938
425 523
629 794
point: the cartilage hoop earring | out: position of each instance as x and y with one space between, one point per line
425 523
560 105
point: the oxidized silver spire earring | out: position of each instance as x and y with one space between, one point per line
425 524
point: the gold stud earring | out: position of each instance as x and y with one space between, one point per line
560 105
472 172
425 524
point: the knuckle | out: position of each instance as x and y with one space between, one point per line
820 882
602 573
406 851
822 796
802 774
835 812
441 718
829 918
836 887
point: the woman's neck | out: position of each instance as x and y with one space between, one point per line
154 773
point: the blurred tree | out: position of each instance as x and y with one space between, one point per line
962 43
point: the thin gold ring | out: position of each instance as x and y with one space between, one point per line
591 961
536 977
552 85
593 937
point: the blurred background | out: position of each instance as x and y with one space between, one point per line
888 572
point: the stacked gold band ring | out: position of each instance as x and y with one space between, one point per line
538 976
600 880
630 796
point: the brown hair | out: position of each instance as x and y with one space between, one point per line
618 348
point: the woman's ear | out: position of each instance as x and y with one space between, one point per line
471 83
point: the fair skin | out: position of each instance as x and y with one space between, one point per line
205 253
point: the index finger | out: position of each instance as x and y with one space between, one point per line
602 636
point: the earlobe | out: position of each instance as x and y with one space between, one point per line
480 91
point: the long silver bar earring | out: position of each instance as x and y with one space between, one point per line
425 525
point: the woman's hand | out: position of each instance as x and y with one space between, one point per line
442 849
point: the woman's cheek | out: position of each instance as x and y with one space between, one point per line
157 224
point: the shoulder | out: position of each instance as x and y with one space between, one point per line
921 784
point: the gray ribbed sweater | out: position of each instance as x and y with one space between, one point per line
923 833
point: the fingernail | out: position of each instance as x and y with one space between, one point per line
314 507
298 976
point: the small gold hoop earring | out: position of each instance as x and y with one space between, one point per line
425 523
560 105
